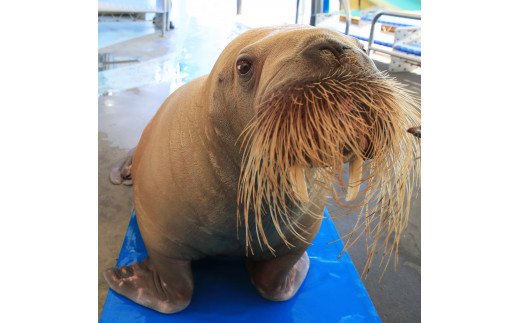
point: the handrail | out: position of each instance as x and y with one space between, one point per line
317 7
393 14
346 7
164 20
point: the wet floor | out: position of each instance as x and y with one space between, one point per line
131 92
119 31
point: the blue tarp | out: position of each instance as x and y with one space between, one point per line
332 291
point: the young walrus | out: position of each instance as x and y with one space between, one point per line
240 163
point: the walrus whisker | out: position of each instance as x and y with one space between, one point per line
309 125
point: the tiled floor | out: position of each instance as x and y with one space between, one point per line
129 95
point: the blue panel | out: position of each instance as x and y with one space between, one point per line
332 291
409 49
386 22
415 50
378 42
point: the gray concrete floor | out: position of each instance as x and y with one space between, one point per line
125 105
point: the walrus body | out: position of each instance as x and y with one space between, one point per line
185 182
189 177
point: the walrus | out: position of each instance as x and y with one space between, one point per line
241 162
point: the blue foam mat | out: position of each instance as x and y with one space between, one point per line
332 291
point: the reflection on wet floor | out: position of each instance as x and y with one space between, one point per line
192 56
107 61
122 116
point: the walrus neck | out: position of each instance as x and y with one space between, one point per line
222 133
225 141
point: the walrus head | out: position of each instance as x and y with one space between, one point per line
304 102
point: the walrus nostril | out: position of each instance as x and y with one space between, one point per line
336 50
316 50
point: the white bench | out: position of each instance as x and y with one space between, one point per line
406 51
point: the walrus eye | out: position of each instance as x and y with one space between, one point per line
243 66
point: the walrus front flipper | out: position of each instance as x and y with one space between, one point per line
280 278
165 286
120 173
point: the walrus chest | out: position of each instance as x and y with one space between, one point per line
194 221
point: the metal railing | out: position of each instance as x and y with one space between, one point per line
391 53
166 10
346 7
317 8
118 13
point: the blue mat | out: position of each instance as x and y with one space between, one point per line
332 291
